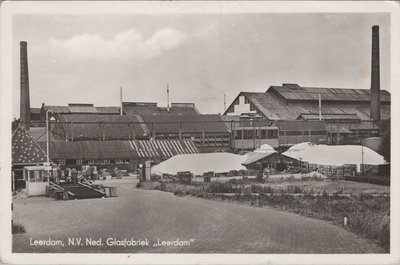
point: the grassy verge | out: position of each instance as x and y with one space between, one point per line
368 216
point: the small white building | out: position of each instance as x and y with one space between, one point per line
37 178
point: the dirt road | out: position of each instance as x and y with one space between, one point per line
160 222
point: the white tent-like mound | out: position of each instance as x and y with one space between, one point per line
335 155
200 163
265 148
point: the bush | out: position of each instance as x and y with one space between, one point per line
294 189
17 228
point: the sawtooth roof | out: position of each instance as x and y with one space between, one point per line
120 149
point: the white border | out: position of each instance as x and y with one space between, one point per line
8 9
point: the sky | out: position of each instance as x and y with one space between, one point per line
87 58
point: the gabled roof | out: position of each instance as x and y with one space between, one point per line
253 157
275 104
120 149
25 150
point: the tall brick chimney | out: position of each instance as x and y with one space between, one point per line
25 112
375 76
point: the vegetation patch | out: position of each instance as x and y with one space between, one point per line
17 228
367 215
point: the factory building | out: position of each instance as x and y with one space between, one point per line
348 115
126 154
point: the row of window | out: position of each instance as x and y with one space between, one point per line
250 134
94 162
297 133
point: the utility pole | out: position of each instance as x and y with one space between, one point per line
167 98
120 95
362 157
319 107
224 102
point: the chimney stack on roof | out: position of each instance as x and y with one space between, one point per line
375 76
25 114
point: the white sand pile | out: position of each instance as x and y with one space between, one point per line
335 155
301 146
200 163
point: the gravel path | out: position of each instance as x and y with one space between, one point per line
202 226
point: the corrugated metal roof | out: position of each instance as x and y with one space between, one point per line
136 108
25 150
114 126
120 149
276 109
212 123
39 134
82 109
327 94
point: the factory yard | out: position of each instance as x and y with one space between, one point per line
160 222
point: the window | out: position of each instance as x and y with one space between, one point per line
246 101
79 162
90 162
318 132
293 133
119 161
62 162
238 134
272 134
252 107
106 161
248 134
37 176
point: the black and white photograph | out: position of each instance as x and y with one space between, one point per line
244 129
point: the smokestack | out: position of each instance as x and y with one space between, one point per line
25 112
375 76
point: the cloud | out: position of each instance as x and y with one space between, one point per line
129 44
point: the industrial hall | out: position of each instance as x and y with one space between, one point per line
128 135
